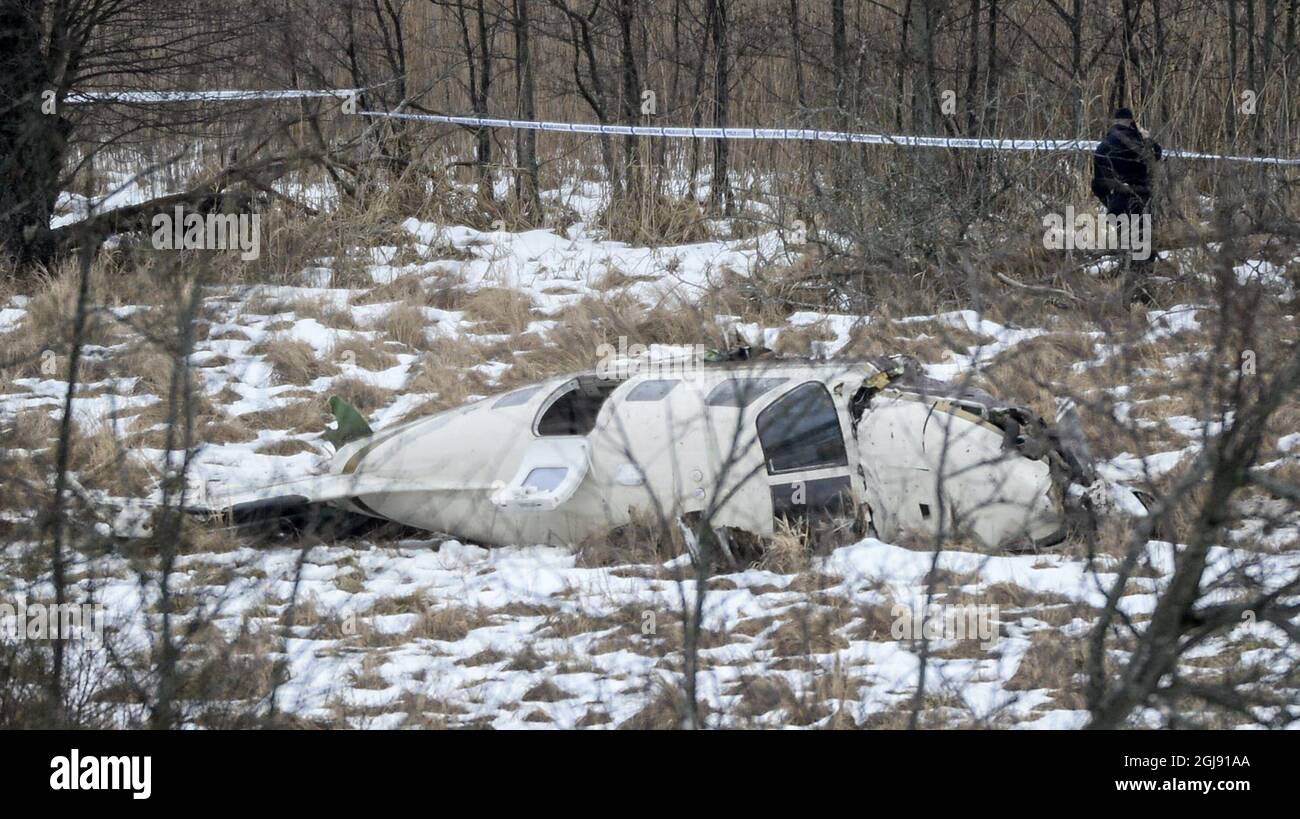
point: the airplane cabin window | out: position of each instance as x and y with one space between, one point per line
802 431
514 399
652 390
546 478
741 392
575 412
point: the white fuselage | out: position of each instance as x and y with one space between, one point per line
574 457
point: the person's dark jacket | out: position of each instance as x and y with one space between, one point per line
1122 162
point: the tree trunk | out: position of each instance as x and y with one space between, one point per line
1076 64
1119 95
720 186
973 69
796 54
1292 9
903 64
991 74
1233 60
840 57
922 55
631 97
526 188
697 109
478 61
32 143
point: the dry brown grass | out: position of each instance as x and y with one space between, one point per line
587 325
29 429
799 341
290 243
1052 661
407 325
25 461
102 461
1157 410
645 540
443 623
154 367
324 310
288 446
365 354
298 416
1030 373
666 709
449 623
928 341
443 372
499 310
545 691
153 422
593 718
1180 520
874 622
526 660
294 361
1005 595
615 278
363 395
508 348
1287 473
671 219
805 631
215 360
443 292
1286 420
224 430
773 695
426 712
51 309
787 550
768 694
242 668
210 539
528 368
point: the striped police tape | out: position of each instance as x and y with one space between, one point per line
147 97
779 134
806 134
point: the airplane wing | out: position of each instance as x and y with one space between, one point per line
211 496
215 497
323 504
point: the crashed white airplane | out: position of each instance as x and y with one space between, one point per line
742 443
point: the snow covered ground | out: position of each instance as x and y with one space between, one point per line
387 633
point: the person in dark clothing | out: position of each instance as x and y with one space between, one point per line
1121 179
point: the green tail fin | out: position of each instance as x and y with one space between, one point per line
349 426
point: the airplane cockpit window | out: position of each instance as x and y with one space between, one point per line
741 392
514 399
652 390
575 411
802 431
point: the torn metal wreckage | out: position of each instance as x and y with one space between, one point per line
742 443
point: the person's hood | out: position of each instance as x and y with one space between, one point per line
1129 131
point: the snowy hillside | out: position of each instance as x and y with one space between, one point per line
386 632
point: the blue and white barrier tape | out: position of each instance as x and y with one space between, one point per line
804 134
143 97
780 134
